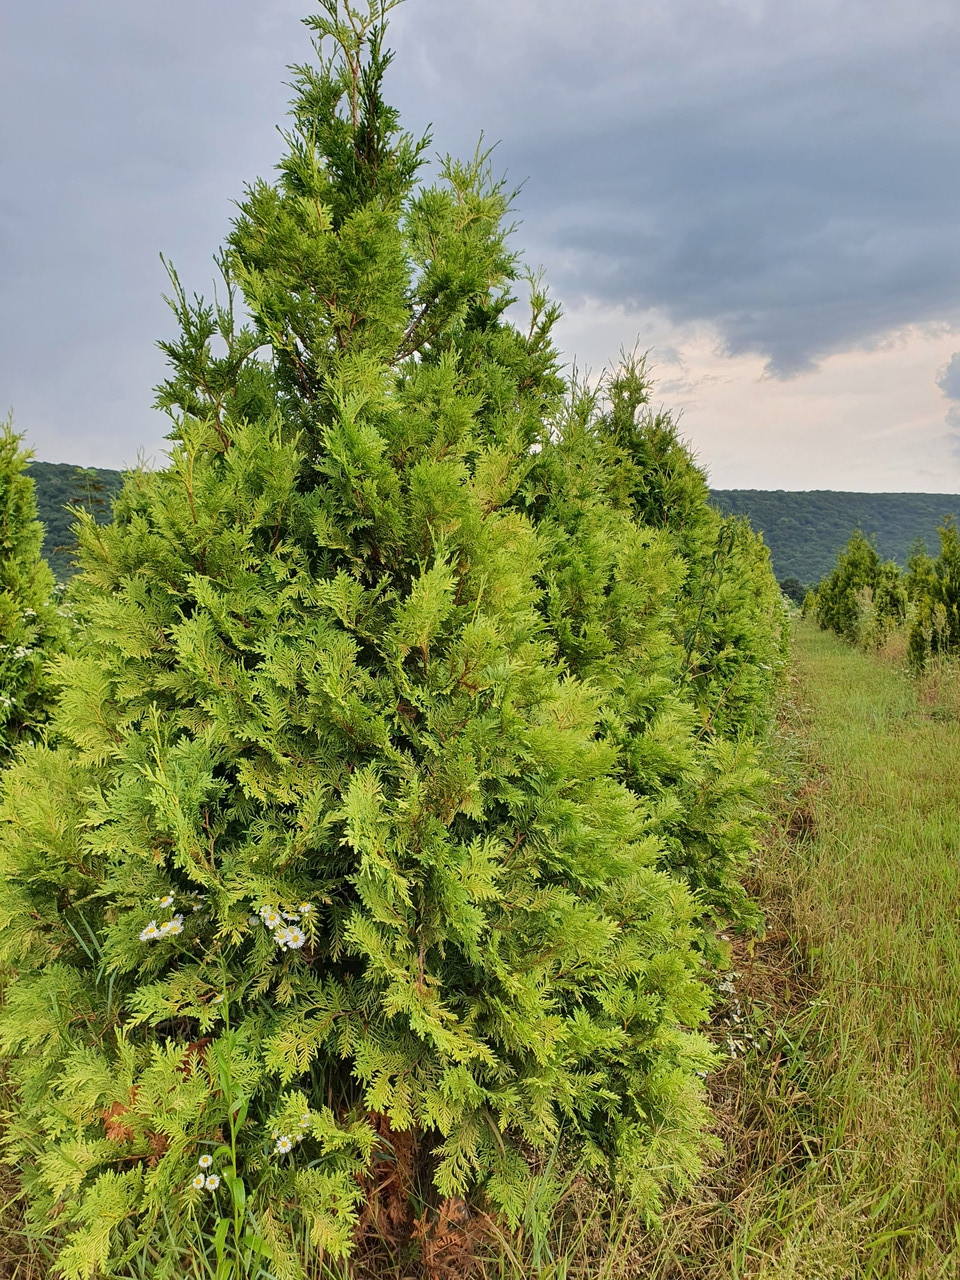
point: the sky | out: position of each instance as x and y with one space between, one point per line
763 194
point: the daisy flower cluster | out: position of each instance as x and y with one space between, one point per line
283 1143
153 931
205 1180
284 925
741 1026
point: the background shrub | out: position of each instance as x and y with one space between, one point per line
31 628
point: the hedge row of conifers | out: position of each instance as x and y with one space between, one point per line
865 599
373 797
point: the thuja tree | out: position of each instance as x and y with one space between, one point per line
933 588
838 606
729 618
31 628
335 863
863 597
674 612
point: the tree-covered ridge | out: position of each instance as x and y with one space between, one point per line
58 486
807 530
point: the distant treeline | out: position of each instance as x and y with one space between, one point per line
806 531
59 485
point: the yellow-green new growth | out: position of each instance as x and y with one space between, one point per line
32 630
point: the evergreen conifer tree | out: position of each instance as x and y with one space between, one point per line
335 861
31 629
864 598
933 589
838 605
674 612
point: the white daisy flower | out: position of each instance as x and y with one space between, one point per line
171 926
165 901
295 938
270 917
199 1182
284 1144
305 1120
291 915
150 932
305 908
205 1161
212 1182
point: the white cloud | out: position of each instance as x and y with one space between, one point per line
868 419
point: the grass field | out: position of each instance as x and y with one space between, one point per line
842 1117
875 895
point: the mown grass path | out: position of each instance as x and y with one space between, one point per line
875 899
840 1114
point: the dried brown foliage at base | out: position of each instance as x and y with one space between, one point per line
449 1238
443 1240
20 1257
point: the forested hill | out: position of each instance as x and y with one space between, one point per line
60 484
805 530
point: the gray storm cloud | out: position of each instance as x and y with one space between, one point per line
787 172
948 379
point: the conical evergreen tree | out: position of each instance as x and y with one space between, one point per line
674 612
31 629
838 596
335 860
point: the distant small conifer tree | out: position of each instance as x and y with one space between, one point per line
838 605
864 598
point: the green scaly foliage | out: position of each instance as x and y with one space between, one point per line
933 587
408 742
864 597
31 628
673 611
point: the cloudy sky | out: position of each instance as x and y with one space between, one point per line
764 193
